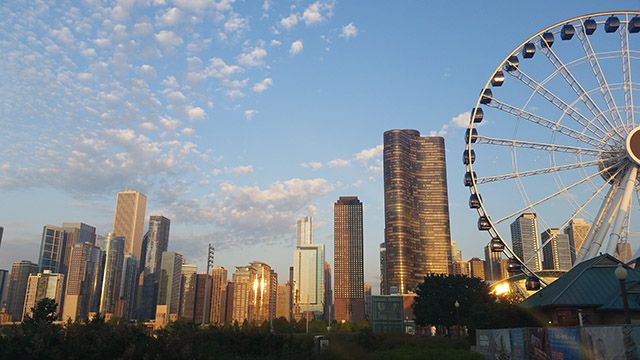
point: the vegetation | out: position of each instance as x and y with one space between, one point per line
478 308
40 338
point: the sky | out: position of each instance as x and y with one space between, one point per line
235 118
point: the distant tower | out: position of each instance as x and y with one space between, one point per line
525 240
188 292
304 231
18 280
577 229
417 233
112 275
492 271
128 285
558 253
218 295
84 282
128 220
308 265
157 241
170 281
52 246
77 233
243 279
348 259
476 266
328 293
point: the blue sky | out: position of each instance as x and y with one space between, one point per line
237 117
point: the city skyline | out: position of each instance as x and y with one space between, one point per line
240 175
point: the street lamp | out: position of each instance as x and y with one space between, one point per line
457 306
621 275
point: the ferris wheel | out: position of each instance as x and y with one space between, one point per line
555 136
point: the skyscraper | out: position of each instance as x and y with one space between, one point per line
52 247
492 269
203 296
417 233
577 229
243 279
525 240
112 275
18 280
476 267
42 285
128 285
188 292
283 301
170 280
4 286
328 293
304 231
84 282
77 233
156 240
218 295
308 267
558 253
383 268
262 293
128 220
348 259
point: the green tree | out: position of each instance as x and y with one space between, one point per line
44 312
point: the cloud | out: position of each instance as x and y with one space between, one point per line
368 154
195 112
459 121
290 21
254 57
238 170
217 68
234 94
249 114
236 24
188 131
338 163
318 12
199 6
262 85
349 31
275 42
313 165
168 38
171 17
296 47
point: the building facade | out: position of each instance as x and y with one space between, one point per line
328 292
526 241
492 271
188 288
558 253
283 301
170 281
42 285
304 229
348 260
308 270
84 282
17 288
112 274
128 220
417 229
77 233
476 268
218 290
577 230
52 247
157 241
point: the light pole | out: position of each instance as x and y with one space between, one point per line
457 306
621 275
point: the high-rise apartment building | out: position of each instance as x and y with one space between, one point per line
17 287
283 301
84 282
526 241
417 230
170 280
42 285
157 241
328 293
577 229
188 288
492 271
218 291
52 247
558 253
128 220
242 281
112 274
203 298
128 286
262 298
476 267
348 259
304 231
461 267
77 233
308 270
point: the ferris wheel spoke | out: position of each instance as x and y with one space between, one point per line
539 146
627 82
559 192
603 85
578 211
542 121
555 168
573 83
563 106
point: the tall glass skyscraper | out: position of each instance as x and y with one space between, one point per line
52 249
308 270
526 241
112 275
156 241
128 220
417 230
558 253
348 259
84 282
18 280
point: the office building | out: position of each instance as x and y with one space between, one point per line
112 274
577 229
170 280
52 246
348 260
367 301
128 220
262 300
77 233
42 285
17 289
128 286
328 292
4 286
155 242
417 230
492 271
242 280
188 288
558 253
476 268
203 298
304 230
84 282
283 301
218 295
526 241
461 267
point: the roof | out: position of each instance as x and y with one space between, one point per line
591 283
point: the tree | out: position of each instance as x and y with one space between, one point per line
44 312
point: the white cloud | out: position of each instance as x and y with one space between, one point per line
368 154
254 57
275 42
168 38
202 5
188 131
89 52
171 17
241 170
461 120
318 12
349 31
262 85
236 24
296 47
63 35
313 165
148 126
234 94
147 71
338 163
217 68
235 83
142 29
169 123
249 114
196 112
290 21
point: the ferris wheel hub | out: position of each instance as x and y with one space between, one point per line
633 145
